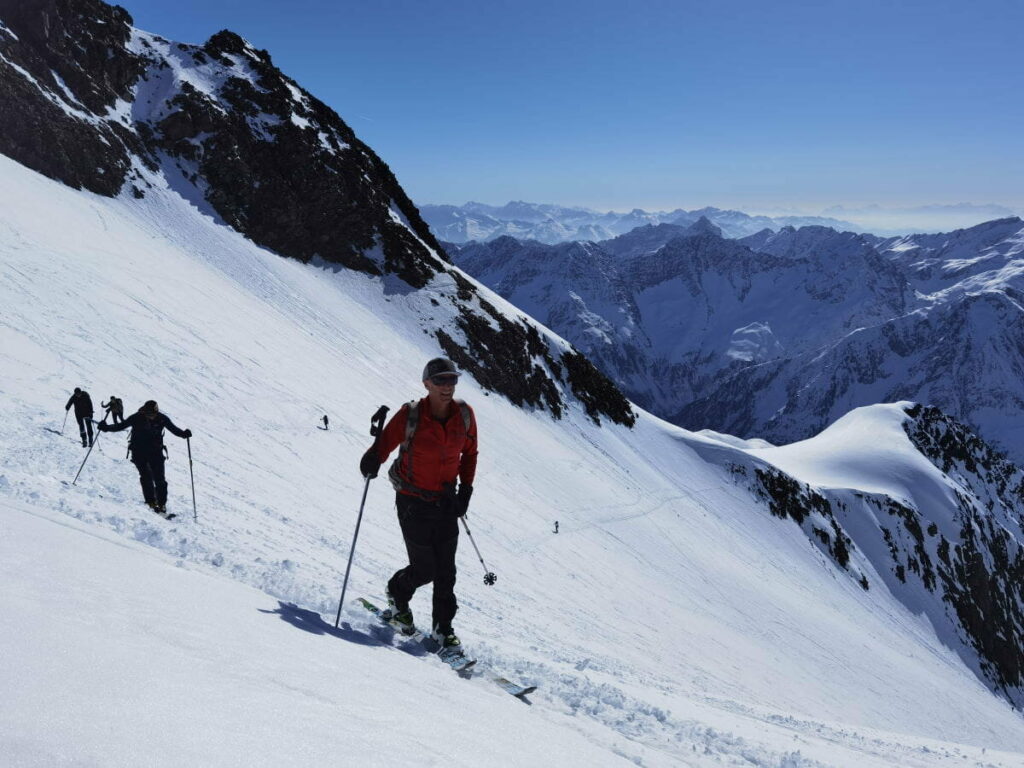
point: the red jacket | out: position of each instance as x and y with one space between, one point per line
438 453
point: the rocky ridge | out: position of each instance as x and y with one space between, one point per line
99 105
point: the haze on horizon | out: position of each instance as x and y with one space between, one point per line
887 110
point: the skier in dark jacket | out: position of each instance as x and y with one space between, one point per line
115 410
147 447
441 449
83 413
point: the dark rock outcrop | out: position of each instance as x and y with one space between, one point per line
96 104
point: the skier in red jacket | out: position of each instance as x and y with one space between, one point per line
438 448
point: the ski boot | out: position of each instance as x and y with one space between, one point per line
450 651
398 617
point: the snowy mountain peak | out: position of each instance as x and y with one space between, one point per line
703 226
120 111
936 509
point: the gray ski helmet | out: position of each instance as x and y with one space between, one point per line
438 366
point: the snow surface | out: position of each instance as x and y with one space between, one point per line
672 621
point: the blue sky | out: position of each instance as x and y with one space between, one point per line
652 104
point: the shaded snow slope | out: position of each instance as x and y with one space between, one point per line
672 621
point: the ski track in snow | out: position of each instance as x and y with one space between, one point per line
641 620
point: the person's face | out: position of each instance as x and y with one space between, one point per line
442 387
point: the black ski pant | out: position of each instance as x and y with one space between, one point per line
431 538
116 417
151 477
84 426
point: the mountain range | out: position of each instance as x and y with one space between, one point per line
778 334
552 224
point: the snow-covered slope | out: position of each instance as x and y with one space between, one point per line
98 104
672 621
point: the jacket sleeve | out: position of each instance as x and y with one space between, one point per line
71 401
129 422
393 434
170 425
467 464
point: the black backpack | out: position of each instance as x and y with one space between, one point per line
147 436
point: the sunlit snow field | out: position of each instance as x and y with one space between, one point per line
671 621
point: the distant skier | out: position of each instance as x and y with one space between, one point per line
326 423
147 448
83 413
556 526
114 410
438 440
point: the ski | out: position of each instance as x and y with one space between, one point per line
452 657
515 689
379 613
456 659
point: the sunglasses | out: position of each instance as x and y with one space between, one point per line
444 381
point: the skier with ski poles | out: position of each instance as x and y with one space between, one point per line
147 448
83 413
114 409
437 441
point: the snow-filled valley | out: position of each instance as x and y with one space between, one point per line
671 621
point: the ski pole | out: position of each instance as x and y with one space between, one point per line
376 425
351 552
489 577
188 444
65 421
91 446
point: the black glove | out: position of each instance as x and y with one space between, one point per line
462 501
102 426
187 433
448 503
370 463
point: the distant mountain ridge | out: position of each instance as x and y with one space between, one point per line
778 334
553 224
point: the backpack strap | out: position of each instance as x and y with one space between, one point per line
412 420
467 420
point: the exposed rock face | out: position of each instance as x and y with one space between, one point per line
99 105
981 575
952 549
65 73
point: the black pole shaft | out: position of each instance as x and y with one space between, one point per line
93 443
65 421
192 477
352 551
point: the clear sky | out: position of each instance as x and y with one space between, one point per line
654 104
